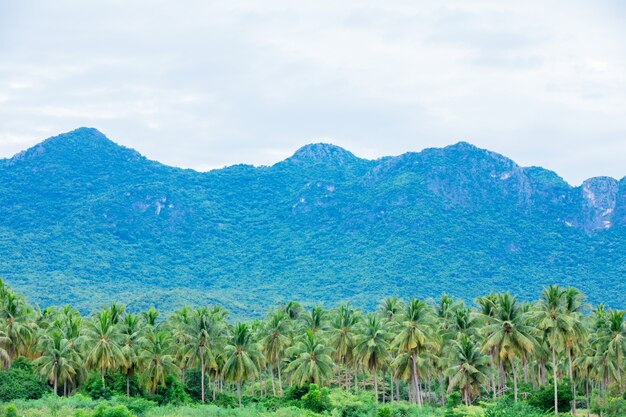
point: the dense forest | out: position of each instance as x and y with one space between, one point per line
497 357
92 222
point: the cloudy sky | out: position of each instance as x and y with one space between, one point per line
203 84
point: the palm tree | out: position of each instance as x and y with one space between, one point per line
613 337
102 339
311 360
204 332
274 344
415 332
342 337
156 356
58 360
551 317
508 333
371 347
16 317
468 368
574 306
241 357
131 339
316 319
150 317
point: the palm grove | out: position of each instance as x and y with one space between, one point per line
413 350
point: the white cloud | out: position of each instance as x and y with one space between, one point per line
205 84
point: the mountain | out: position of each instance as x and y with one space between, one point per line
86 221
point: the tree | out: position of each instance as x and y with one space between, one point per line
468 368
204 332
274 344
58 360
416 331
157 359
371 347
556 324
311 361
509 334
241 357
131 340
342 337
102 340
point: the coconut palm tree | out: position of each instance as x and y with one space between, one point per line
371 347
468 368
157 358
204 332
274 344
241 357
508 334
131 333
16 316
58 360
416 330
342 338
552 318
316 319
102 343
311 361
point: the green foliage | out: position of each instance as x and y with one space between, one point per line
508 408
316 400
103 410
543 398
172 392
98 221
609 406
10 411
20 383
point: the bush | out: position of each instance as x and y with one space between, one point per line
11 411
170 393
316 400
20 383
103 410
508 408
543 398
609 406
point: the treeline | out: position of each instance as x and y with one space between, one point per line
407 350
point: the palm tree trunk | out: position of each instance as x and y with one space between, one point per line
65 388
182 375
384 383
55 384
571 378
442 389
280 381
397 389
587 393
239 392
127 385
556 394
102 376
272 376
514 380
375 385
493 374
202 372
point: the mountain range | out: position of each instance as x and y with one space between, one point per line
86 221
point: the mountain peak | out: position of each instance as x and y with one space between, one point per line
77 147
316 153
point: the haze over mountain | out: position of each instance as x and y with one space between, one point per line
85 220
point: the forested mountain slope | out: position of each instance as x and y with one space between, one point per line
85 220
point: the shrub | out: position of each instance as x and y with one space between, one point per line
609 406
543 398
103 410
508 408
20 383
316 400
11 411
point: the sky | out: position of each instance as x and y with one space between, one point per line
204 84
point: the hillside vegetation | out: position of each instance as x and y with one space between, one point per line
86 221
498 358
